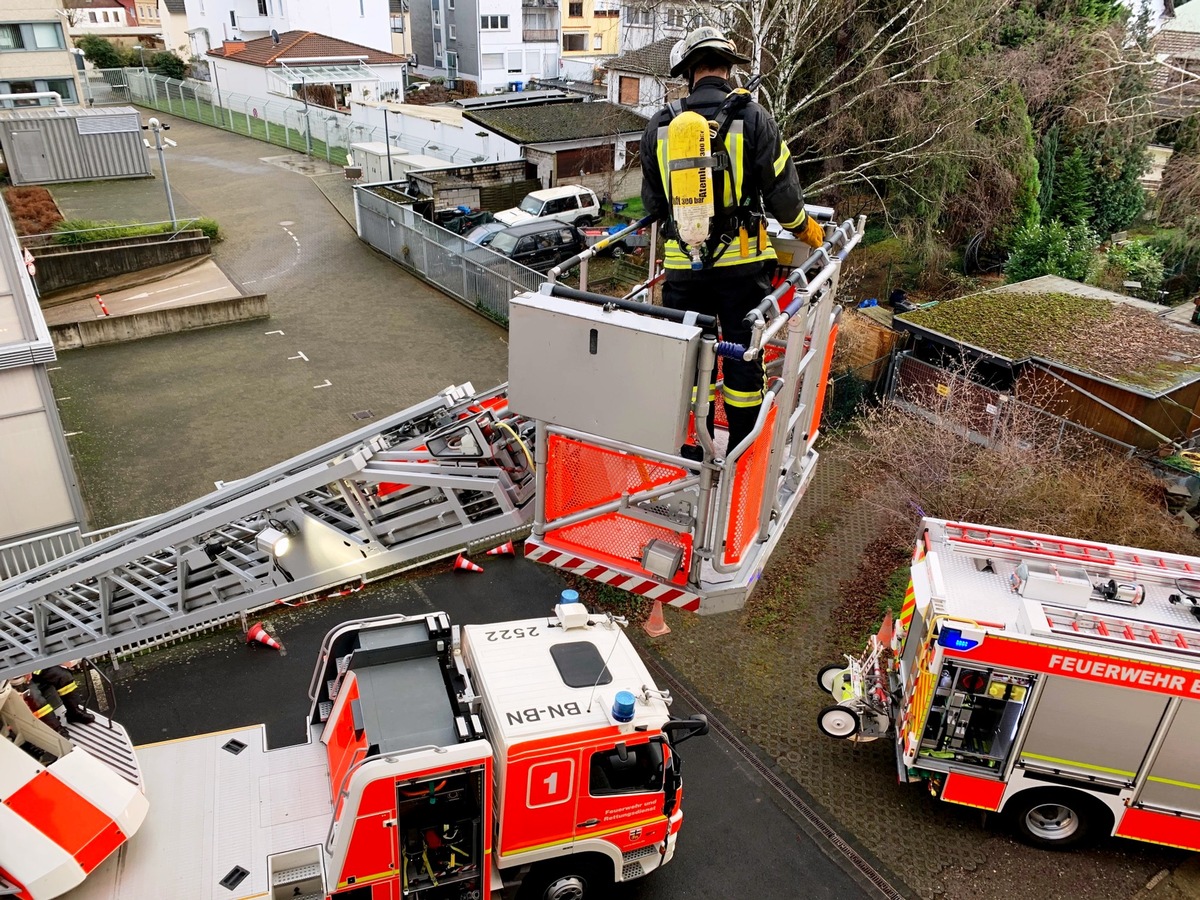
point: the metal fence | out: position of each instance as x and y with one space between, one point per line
983 415
287 122
474 275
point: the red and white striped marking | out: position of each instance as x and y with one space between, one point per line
626 581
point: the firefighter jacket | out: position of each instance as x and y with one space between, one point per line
761 174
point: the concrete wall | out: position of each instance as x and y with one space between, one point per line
60 268
115 329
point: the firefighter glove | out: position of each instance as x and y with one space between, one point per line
811 232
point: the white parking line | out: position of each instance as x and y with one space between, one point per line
185 297
327 383
299 355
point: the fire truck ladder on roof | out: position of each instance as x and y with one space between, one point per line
422 483
1118 629
1002 543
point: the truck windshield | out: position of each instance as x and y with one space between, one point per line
531 205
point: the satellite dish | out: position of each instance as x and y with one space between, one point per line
274 36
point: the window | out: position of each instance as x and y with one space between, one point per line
514 61
398 24
676 17
493 61
437 17
636 16
493 23
575 9
574 42
262 7
627 91
452 32
233 18
64 87
449 4
626 770
362 8
605 8
597 42
33 36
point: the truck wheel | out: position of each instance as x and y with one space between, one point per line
827 678
1058 819
838 722
563 880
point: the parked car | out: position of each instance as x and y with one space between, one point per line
570 203
483 234
540 244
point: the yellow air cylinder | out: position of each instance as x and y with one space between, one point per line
691 182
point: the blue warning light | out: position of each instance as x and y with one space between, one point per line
952 639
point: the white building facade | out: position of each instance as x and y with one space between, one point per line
212 22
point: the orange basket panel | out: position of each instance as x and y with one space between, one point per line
617 540
749 482
581 476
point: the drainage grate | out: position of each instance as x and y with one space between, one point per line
362 414
235 877
234 746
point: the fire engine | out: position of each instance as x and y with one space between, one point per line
1055 681
441 763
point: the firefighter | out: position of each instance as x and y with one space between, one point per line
59 680
752 173
39 704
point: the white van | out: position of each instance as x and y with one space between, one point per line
571 203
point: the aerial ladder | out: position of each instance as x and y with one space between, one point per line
581 451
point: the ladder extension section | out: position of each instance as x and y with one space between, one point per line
429 480
1120 630
977 540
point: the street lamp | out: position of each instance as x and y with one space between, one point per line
83 75
157 129
387 141
141 55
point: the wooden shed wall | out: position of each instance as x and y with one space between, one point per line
1035 386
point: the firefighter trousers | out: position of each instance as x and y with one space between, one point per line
728 298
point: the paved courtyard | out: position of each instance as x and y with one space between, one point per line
156 422
159 420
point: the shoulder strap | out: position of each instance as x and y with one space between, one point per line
674 108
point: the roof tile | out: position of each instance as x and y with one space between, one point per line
653 59
265 52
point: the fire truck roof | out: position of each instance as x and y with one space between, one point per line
1075 591
539 678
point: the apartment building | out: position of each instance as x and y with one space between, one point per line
498 44
34 53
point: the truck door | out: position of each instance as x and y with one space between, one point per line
1171 785
1092 731
622 789
542 796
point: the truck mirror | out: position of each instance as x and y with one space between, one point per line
680 730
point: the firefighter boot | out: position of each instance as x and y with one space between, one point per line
76 713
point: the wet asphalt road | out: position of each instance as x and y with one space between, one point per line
739 839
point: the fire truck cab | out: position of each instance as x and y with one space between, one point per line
1055 681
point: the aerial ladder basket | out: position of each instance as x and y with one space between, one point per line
630 492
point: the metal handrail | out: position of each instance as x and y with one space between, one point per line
599 247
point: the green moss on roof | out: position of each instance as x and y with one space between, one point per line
1114 341
552 122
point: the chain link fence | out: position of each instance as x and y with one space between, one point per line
480 278
982 414
286 122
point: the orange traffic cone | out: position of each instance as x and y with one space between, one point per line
656 626
462 564
258 633
505 549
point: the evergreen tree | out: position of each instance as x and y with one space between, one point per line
1070 202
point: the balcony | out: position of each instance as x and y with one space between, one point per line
540 35
539 4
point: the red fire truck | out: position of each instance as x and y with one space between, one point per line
442 764
1055 681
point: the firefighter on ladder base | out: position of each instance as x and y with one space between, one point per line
711 164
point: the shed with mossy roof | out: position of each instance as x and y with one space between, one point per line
1103 360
